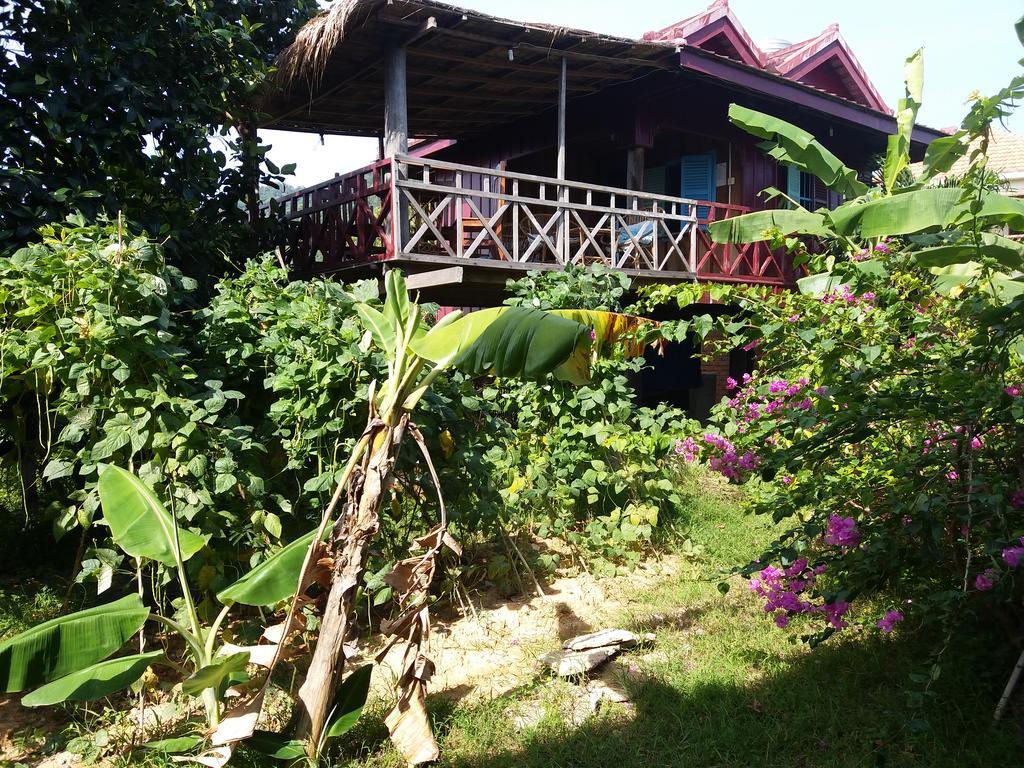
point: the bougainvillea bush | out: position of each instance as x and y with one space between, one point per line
884 424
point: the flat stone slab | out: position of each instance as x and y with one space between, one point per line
620 638
568 663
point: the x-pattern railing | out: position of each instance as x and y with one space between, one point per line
410 207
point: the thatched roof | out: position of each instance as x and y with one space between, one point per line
466 69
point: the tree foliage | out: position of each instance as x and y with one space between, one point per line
135 108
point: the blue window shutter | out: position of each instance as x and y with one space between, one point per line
697 174
793 183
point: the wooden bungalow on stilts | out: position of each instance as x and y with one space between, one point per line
508 146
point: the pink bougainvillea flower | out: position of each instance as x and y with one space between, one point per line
983 581
976 443
1013 556
888 622
1012 391
731 383
952 475
842 532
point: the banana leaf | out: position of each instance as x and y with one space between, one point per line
271 581
897 156
212 675
93 682
138 521
349 702
519 342
69 643
753 227
1007 252
794 146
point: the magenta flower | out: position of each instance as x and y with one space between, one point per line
1013 556
688 449
882 248
731 383
1012 391
842 532
982 582
976 443
888 622
793 318
786 480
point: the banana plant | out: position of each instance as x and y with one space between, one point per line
516 342
72 657
944 225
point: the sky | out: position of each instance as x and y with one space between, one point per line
968 45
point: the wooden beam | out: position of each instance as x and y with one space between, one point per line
434 278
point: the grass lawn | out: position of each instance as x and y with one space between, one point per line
724 687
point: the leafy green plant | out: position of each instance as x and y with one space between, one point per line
504 341
587 463
71 657
885 420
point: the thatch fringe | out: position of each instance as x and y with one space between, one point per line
306 59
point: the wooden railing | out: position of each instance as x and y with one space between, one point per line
449 212
341 221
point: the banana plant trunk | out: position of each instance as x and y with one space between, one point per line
348 546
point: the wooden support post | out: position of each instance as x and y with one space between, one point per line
635 170
396 136
563 225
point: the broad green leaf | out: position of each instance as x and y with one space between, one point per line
212 675
93 682
519 342
941 154
753 227
900 214
271 581
382 330
69 643
816 285
396 299
174 745
794 146
349 702
1007 252
138 521
276 746
897 156
923 210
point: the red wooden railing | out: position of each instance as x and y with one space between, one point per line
454 212
341 221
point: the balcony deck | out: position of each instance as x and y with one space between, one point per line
423 214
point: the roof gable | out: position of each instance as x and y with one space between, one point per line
826 62
716 30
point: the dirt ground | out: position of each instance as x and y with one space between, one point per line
478 654
488 653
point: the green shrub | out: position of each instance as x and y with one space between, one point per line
587 463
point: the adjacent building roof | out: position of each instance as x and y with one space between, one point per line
1005 157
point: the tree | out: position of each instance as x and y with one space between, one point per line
143 109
